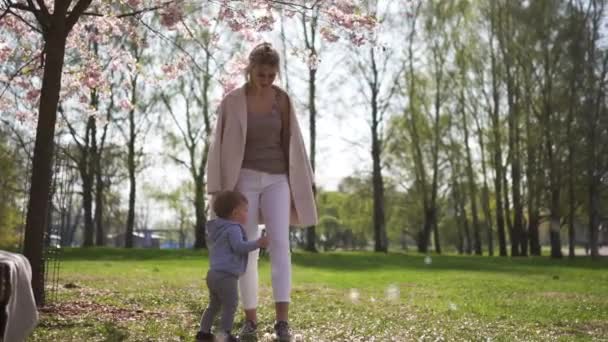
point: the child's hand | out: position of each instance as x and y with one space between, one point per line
263 242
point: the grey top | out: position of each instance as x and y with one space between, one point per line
228 246
263 149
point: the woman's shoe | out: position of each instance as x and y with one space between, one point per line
281 329
248 330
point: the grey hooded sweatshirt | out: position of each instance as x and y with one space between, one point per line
228 246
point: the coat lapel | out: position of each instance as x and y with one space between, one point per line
241 110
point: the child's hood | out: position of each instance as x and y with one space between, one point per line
217 227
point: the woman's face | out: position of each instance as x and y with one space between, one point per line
263 75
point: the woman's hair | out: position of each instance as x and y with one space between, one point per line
262 54
226 201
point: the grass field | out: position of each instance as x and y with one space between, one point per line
158 295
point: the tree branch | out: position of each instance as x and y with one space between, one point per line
8 10
18 72
42 14
5 13
42 6
73 17
172 42
71 128
144 10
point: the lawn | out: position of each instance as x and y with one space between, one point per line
158 295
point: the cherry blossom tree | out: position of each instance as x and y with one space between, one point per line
45 61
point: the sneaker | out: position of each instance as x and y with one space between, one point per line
249 329
204 337
226 337
282 331
230 338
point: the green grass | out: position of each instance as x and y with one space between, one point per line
158 295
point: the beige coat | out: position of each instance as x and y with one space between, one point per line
227 151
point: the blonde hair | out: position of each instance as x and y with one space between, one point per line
262 54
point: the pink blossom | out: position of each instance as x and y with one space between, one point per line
92 78
134 3
249 35
23 116
266 22
329 35
226 13
236 25
126 105
168 69
33 95
171 15
313 61
229 84
5 52
346 6
204 22
289 13
357 39
237 65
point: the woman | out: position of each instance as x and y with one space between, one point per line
258 150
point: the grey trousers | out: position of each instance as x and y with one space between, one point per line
224 295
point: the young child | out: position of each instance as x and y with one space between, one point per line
228 251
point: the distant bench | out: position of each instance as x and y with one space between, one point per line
5 292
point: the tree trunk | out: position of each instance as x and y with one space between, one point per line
86 172
99 191
380 238
506 41
456 208
436 240
517 224
311 236
100 239
571 174
96 154
38 204
595 109
532 170
507 207
485 195
497 155
459 202
594 217
199 177
201 217
422 236
310 41
436 142
131 166
554 189
471 180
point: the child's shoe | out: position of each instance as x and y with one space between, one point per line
204 337
227 337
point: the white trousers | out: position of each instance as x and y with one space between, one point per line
269 193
